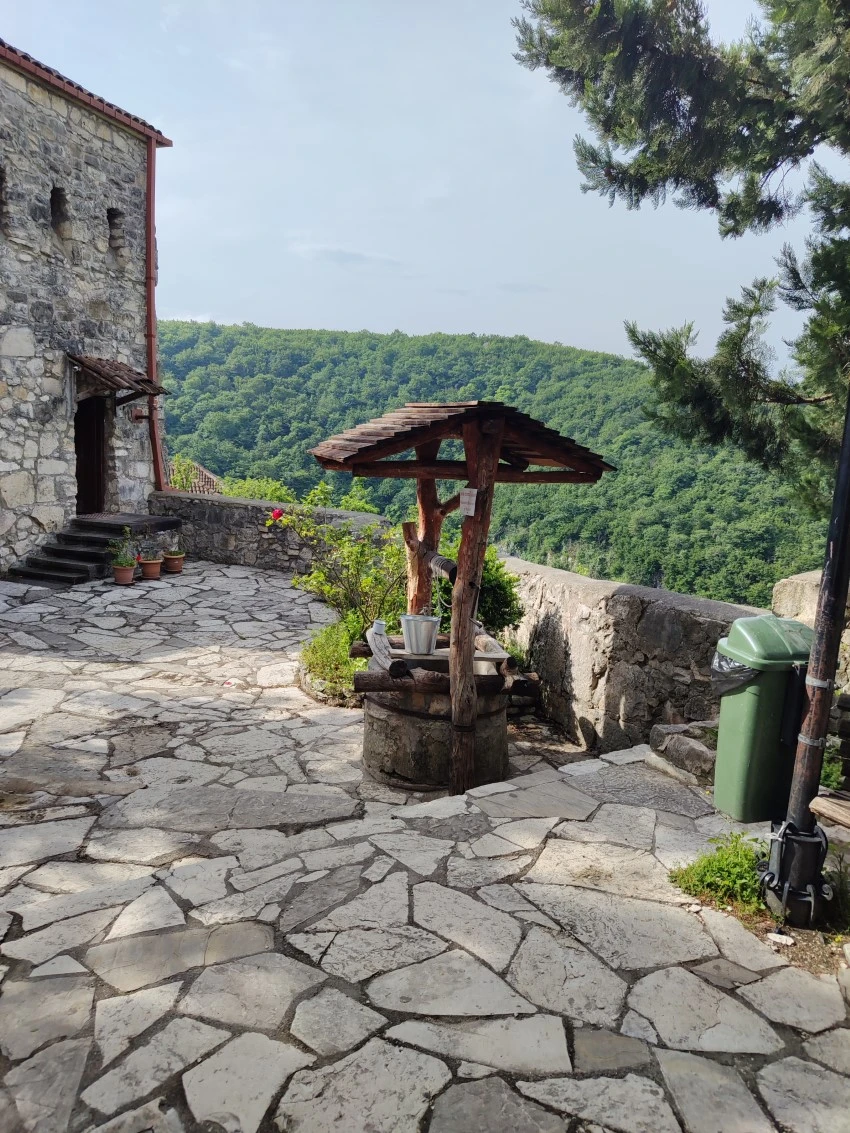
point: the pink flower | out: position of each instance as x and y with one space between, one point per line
277 513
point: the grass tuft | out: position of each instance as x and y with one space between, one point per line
726 875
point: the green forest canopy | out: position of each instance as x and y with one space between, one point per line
251 401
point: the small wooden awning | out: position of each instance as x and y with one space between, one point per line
117 377
363 450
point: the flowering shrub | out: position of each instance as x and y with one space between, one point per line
359 572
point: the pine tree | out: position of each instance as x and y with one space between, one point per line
729 128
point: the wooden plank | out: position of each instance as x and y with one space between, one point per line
409 439
832 808
548 443
482 442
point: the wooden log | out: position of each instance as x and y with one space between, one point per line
421 680
380 649
420 586
438 565
450 505
482 442
459 470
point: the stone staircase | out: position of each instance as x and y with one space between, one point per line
79 552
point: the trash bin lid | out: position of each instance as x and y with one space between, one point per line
767 642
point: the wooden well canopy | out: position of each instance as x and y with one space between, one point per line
500 446
363 450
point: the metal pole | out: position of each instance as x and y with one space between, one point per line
823 662
794 883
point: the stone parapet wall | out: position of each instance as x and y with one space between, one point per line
616 659
797 597
224 529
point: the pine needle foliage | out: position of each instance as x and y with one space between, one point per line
734 128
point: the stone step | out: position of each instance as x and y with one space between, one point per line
115 524
53 580
99 539
78 551
79 570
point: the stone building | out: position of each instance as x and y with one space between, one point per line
79 416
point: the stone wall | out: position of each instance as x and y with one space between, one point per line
223 529
797 597
65 286
616 659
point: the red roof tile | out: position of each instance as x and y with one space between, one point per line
52 78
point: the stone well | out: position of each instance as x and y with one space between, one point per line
407 739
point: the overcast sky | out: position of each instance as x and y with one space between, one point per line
379 164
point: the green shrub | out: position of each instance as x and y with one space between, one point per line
727 875
258 488
182 473
359 572
832 770
326 658
499 606
357 498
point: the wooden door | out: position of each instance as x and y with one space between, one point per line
90 446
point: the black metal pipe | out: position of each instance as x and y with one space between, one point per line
823 662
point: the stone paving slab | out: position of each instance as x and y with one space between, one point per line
210 917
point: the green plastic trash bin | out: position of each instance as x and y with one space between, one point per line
752 776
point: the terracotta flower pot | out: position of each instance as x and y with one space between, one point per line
173 563
123 575
150 568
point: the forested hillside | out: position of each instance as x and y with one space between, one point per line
250 401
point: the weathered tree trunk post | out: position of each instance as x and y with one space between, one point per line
419 583
482 442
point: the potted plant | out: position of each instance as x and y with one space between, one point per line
150 559
123 557
174 552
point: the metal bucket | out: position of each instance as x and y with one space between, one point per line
420 632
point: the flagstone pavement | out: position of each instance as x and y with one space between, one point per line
209 916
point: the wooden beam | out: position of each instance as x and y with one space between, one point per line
450 505
458 470
530 441
482 443
422 680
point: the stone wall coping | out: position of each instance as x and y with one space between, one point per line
598 589
335 515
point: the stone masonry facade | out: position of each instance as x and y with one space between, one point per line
72 280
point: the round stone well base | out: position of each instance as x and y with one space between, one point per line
407 739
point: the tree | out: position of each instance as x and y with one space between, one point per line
730 128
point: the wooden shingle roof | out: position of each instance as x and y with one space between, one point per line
117 377
363 450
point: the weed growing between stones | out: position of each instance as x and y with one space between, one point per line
727 875
832 771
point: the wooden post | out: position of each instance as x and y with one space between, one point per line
419 582
482 441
